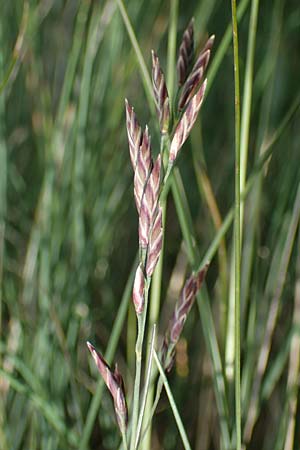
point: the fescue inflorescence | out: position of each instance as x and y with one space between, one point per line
150 176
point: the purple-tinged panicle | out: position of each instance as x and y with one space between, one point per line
160 94
193 82
134 133
149 204
186 123
115 384
155 243
186 52
143 168
138 296
185 303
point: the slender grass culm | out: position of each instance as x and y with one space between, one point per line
237 235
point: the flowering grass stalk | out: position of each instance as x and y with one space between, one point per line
150 177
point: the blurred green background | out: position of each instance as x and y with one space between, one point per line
68 225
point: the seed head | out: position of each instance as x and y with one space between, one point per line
182 309
134 133
195 78
115 384
155 243
186 123
138 290
149 204
143 168
160 94
185 303
186 53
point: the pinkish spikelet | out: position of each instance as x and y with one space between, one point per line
143 168
203 58
160 94
115 384
134 133
155 243
185 303
192 84
149 204
186 52
194 79
138 290
186 123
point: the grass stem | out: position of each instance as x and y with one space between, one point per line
237 231
177 417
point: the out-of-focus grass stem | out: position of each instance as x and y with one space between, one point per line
294 362
142 65
271 322
237 232
247 99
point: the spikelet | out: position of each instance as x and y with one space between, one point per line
134 133
186 123
155 243
149 204
182 309
160 94
143 168
138 290
193 81
115 384
185 303
186 53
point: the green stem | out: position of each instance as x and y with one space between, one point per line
223 47
125 446
247 98
147 387
171 60
138 365
237 231
177 417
